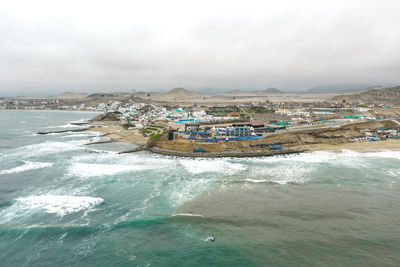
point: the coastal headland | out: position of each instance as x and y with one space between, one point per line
350 136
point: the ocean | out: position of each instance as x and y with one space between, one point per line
63 203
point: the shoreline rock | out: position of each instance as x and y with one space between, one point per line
267 153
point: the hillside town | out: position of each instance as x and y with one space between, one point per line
247 126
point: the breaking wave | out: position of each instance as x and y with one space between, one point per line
89 169
32 208
27 166
51 147
219 166
60 205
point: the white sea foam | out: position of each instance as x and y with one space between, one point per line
314 157
27 166
257 180
346 158
282 173
220 166
80 121
52 134
380 153
185 190
89 169
300 168
284 182
59 126
62 237
106 158
137 161
52 147
393 154
149 160
84 135
393 172
60 205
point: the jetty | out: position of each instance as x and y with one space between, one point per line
66 131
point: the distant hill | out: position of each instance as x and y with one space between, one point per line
376 95
234 92
182 92
118 96
97 95
269 91
72 96
274 91
337 88
375 87
176 94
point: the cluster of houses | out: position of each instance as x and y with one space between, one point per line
26 103
243 132
141 114
379 134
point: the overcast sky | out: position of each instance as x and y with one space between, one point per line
48 47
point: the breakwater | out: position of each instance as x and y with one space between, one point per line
227 154
137 149
65 131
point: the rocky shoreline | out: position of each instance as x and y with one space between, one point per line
267 153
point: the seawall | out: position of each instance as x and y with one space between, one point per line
266 153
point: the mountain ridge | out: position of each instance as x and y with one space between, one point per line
389 95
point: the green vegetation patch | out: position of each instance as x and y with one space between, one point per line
258 109
151 129
157 126
155 137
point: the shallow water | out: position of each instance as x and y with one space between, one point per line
65 203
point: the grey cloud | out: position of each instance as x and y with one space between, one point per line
292 51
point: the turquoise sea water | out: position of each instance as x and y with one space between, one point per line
66 204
